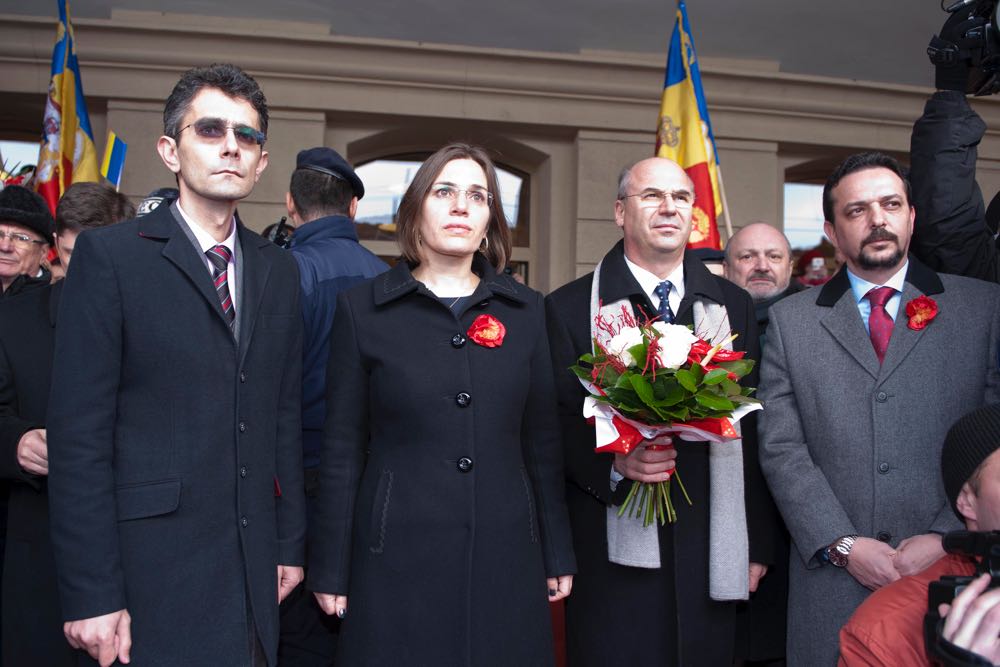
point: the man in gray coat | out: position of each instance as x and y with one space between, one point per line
860 381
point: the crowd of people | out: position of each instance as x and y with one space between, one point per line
225 452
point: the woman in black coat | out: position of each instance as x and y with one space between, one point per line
442 514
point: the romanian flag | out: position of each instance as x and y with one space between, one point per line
67 154
114 160
684 133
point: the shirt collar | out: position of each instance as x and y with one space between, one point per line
205 240
649 281
861 287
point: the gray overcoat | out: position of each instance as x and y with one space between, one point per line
849 447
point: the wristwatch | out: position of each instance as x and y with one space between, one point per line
838 553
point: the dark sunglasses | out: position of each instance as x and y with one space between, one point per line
214 129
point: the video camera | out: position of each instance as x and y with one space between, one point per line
986 548
966 54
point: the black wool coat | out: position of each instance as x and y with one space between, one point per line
168 442
624 615
32 623
441 505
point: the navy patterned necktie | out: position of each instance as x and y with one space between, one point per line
879 322
219 256
663 291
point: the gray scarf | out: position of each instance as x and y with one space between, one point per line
632 544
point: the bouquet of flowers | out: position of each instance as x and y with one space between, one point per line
650 379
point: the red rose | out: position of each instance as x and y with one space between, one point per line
921 311
487 331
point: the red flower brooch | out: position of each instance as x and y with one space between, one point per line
921 311
487 331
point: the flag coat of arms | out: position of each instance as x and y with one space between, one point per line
684 133
67 154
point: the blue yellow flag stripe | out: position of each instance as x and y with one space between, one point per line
114 160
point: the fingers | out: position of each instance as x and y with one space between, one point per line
332 605
960 608
105 650
559 587
70 638
124 638
646 464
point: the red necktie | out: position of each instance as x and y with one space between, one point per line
219 256
879 322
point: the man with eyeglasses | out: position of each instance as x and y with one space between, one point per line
322 199
25 237
175 464
648 595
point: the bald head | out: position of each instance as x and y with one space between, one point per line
759 259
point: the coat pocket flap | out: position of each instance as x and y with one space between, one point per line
149 499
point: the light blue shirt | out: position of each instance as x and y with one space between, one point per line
861 287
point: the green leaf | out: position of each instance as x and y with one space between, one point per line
698 372
715 376
638 353
714 401
687 379
668 391
731 388
642 389
741 366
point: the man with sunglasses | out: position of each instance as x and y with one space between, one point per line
175 464
25 236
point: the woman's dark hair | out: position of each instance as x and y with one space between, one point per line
408 217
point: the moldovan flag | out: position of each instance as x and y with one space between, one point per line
684 133
67 154
114 160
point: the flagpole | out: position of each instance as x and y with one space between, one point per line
725 204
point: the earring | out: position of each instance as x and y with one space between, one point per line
484 245
420 239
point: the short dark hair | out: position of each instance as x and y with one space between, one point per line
859 162
230 79
91 205
407 229
316 194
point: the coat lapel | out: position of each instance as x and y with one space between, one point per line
254 274
844 321
919 280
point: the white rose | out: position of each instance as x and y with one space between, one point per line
619 344
674 344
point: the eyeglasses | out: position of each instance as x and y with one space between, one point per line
21 241
450 193
214 129
654 198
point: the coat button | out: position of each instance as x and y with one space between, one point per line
243 427
464 464
244 522
883 467
881 397
883 536
243 471
458 340
463 399
243 376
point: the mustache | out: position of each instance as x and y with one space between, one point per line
880 234
761 275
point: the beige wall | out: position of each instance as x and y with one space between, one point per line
569 120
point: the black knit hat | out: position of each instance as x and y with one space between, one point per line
969 442
21 206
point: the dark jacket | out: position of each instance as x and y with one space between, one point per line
657 616
951 235
330 260
441 508
169 442
32 622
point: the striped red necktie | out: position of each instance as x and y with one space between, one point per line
219 256
879 322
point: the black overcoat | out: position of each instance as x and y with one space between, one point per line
169 441
32 623
623 615
442 504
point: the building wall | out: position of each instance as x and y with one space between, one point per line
570 121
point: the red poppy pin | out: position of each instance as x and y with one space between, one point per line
487 331
921 311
